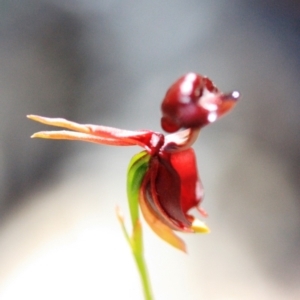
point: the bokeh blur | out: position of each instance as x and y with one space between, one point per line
110 62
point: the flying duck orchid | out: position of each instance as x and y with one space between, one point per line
162 180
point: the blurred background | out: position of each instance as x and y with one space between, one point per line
110 62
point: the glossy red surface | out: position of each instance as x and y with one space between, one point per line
193 101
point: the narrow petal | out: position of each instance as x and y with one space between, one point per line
104 131
97 134
79 136
59 122
160 228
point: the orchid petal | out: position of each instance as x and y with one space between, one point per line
160 228
191 189
79 136
164 194
60 122
96 134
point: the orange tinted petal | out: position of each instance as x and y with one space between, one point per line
160 228
96 134
79 136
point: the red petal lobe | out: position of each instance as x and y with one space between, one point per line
185 164
165 186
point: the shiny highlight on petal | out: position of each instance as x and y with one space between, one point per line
193 101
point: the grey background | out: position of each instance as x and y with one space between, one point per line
110 62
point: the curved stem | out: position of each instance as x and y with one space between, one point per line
138 253
136 244
137 169
140 261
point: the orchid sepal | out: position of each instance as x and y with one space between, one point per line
149 140
97 134
78 136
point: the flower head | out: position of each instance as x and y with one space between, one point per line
163 179
193 101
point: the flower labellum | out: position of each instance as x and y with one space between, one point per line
163 179
194 101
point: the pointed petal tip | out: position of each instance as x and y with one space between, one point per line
34 117
235 95
35 135
160 228
119 214
41 135
232 96
199 227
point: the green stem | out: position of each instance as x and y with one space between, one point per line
138 253
136 244
137 169
141 264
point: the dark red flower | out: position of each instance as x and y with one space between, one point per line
163 180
